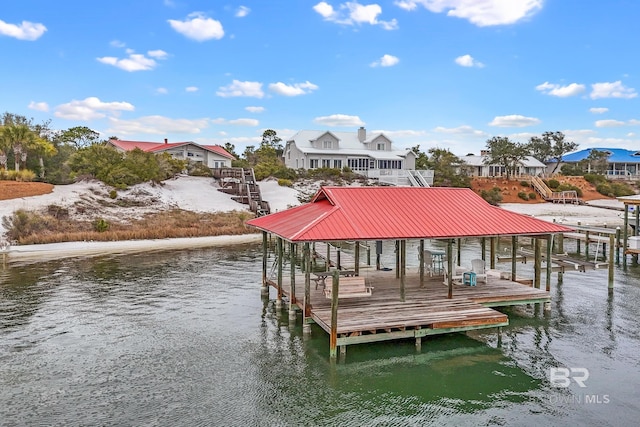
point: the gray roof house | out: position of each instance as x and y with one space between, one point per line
371 155
477 166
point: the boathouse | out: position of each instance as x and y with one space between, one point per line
368 305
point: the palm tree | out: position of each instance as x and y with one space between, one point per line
19 138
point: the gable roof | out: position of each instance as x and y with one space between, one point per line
529 161
159 146
618 155
386 213
348 142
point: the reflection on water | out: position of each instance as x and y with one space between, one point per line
183 338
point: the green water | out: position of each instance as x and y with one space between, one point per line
183 338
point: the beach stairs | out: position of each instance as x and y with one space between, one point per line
242 185
548 195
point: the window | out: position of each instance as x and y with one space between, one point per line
389 164
380 146
372 164
326 163
337 164
358 164
313 163
327 144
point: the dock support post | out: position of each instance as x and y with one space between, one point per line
280 256
397 259
403 268
483 248
450 268
492 252
625 234
548 277
333 336
586 245
328 261
459 251
357 258
292 294
338 263
265 255
560 243
499 343
368 254
617 246
306 306
418 341
514 245
537 266
611 263
637 228
421 261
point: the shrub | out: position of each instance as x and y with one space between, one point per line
199 169
569 187
524 183
493 196
285 182
533 196
58 212
101 225
113 194
553 183
523 195
594 179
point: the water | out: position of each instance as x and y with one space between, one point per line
183 338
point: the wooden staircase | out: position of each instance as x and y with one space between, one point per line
241 183
548 195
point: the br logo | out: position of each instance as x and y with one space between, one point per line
561 377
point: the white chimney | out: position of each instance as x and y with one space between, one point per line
362 134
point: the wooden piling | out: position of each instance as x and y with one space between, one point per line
537 266
421 261
265 256
333 336
514 251
450 268
611 237
549 268
403 268
280 256
357 258
492 252
306 316
292 296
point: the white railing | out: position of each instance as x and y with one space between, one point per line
401 177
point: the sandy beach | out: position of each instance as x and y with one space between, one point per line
198 194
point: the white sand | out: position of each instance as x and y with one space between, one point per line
202 195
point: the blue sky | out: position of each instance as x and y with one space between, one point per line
439 73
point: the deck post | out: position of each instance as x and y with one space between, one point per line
483 242
338 264
625 236
421 261
397 259
314 257
459 252
280 256
328 261
637 228
450 268
492 252
548 278
586 245
333 336
368 254
265 255
537 266
403 267
611 237
418 341
357 258
617 246
560 243
306 312
292 294
514 245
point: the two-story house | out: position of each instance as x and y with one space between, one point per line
213 156
371 155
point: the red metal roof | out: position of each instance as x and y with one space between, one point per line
159 146
386 213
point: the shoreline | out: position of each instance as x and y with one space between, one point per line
53 251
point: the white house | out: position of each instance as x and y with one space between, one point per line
371 155
213 156
477 166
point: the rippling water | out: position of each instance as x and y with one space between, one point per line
184 339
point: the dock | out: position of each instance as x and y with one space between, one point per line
421 311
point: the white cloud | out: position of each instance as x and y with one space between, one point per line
117 43
90 108
339 120
157 125
162 90
238 88
386 61
479 12
38 106
191 89
198 27
598 110
514 121
553 89
354 13
29 31
242 11
468 61
254 109
135 61
609 123
460 130
612 90
236 122
295 89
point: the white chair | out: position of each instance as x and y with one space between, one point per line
477 266
456 277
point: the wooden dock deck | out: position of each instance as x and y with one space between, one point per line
426 310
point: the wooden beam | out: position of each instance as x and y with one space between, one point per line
611 237
306 316
625 236
403 268
514 251
333 336
265 256
292 258
280 257
492 252
421 261
397 259
450 268
537 265
357 258
549 268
